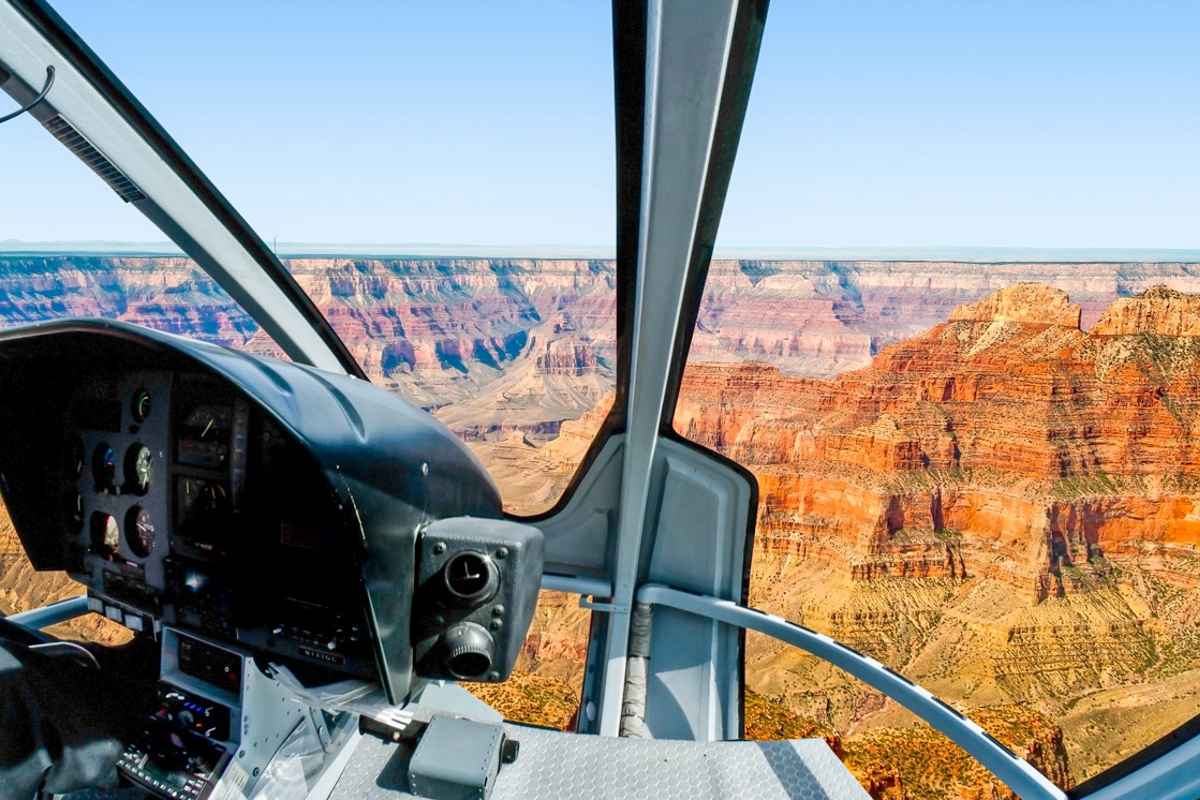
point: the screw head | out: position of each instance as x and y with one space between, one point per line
501 552
439 548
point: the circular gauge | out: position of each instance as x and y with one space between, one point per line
203 507
75 456
106 534
141 405
211 498
104 468
471 577
139 469
139 531
213 502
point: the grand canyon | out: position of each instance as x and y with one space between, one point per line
984 475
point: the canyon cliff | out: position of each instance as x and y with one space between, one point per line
1004 508
507 350
985 482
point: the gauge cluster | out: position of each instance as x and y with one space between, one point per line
268 507
192 510
116 460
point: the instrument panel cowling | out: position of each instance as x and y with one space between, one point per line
392 467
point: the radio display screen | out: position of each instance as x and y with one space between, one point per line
175 762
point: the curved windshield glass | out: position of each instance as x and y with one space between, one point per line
953 329
65 251
440 183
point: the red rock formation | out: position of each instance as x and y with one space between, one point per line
1028 303
821 318
1005 507
1010 391
1160 311
169 294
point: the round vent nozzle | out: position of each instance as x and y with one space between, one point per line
469 649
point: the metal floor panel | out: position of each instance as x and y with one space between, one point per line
562 766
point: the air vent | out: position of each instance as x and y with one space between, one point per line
61 129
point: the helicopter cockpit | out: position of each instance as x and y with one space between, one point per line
255 518
305 567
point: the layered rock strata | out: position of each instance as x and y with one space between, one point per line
999 498
1005 507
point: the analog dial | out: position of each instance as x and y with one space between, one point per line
141 405
139 531
106 534
139 469
104 468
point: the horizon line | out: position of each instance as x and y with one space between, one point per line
960 253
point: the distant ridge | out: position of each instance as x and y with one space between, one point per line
968 254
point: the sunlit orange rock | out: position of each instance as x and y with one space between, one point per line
1047 445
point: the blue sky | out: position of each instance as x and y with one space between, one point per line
873 124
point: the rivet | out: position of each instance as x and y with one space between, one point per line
498 611
502 552
497 624
439 548
424 467
495 676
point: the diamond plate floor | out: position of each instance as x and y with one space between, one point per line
563 766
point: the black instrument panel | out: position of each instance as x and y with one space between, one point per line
190 505
251 501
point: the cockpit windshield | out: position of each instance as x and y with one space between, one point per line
917 377
69 247
440 186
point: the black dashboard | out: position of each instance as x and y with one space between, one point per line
292 515
191 508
